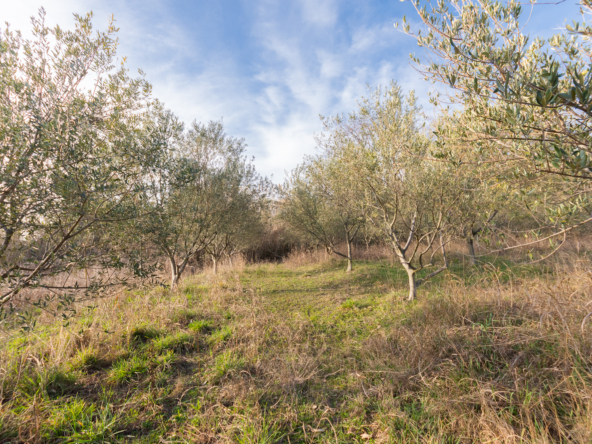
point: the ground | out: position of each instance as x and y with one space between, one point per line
286 353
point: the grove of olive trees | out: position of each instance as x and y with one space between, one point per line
521 105
104 186
424 277
72 161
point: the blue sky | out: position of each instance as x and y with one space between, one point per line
269 68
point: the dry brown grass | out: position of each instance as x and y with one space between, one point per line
496 354
302 257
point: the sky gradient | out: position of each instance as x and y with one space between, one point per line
267 68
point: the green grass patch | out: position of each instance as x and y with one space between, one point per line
132 368
89 360
79 422
201 326
53 382
144 333
353 303
220 336
178 342
227 362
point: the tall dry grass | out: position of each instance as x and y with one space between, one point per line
505 356
303 256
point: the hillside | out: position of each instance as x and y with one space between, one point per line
303 352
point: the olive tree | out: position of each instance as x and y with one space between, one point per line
336 186
521 103
193 192
411 200
71 160
482 195
318 203
242 224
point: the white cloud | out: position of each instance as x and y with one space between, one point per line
319 12
18 14
298 74
286 145
331 64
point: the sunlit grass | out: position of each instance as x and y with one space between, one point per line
307 352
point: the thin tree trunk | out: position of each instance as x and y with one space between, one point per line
412 284
473 233
408 268
471 247
349 255
8 233
215 263
175 274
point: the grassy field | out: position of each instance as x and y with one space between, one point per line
307 353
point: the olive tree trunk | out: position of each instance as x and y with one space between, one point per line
471 248
175 272
349 256
412 284
214 264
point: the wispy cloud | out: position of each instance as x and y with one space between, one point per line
319 12
268 67
304 61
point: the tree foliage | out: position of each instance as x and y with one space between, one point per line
195 195
71 160
98 181
530 99
411 200
320 203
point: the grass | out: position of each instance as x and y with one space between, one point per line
220 336
144 333
227 362
303 353
201 326
127 369
180 342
